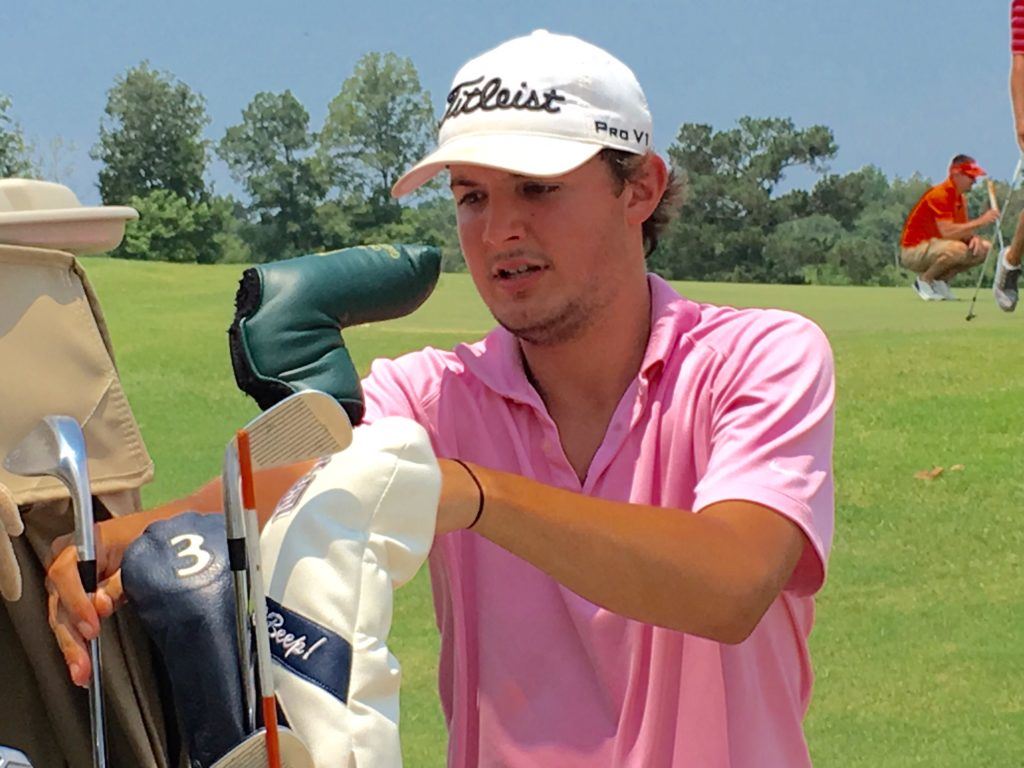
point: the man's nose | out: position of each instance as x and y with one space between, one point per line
505 221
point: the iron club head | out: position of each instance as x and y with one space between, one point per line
252 753
56 447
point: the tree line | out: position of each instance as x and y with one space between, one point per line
307 190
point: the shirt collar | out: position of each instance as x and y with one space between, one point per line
497 362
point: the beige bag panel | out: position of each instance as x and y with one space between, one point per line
56 357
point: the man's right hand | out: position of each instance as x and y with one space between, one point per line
74 617
991 216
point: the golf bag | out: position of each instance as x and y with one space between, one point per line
359 525
56 357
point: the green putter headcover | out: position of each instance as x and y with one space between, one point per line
286 335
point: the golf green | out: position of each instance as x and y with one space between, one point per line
917 646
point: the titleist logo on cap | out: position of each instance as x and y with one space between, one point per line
464 98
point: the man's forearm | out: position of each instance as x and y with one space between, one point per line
121 532
950 231
269 485
713 574
1017 88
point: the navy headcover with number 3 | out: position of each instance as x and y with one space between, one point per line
177 577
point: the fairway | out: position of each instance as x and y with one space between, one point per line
920 630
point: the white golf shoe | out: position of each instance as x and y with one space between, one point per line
1004 285
941 287
925 290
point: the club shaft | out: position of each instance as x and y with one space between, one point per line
263 656
84 535
259 597
1014 182
234 519
96 714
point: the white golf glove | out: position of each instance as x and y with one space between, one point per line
335 549
10 526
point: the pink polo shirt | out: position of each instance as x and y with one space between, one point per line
728 404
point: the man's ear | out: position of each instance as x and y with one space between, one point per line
645 190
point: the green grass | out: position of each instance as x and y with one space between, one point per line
920 629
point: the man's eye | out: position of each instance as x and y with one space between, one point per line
536 189
469 198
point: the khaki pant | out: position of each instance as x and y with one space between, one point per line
920 258
41 712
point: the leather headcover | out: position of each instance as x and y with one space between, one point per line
338 544
56 358
176 575
289 315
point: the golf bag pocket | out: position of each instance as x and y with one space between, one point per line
333 552
177 577
58 358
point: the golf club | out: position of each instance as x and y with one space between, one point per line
13 758
304 426
252 753
268 700
234 523
56 447
999 230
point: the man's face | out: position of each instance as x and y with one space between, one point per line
547 255
962 181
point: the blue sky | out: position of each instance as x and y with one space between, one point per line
904 84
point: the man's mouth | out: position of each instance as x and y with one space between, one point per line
511 273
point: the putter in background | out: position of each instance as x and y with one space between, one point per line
999 229
56 447
305 426
13 758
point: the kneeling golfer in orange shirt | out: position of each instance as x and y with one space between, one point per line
939 241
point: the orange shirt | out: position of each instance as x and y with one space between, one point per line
940 203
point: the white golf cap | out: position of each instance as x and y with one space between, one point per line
539 105
46 215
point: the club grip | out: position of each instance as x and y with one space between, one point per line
87 573
992 194
236 554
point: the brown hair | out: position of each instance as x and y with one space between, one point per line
626 166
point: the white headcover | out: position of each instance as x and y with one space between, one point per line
338 544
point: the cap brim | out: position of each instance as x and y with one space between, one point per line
525 154
78 230
49 215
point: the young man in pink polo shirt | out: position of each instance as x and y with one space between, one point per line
637 497
590 617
